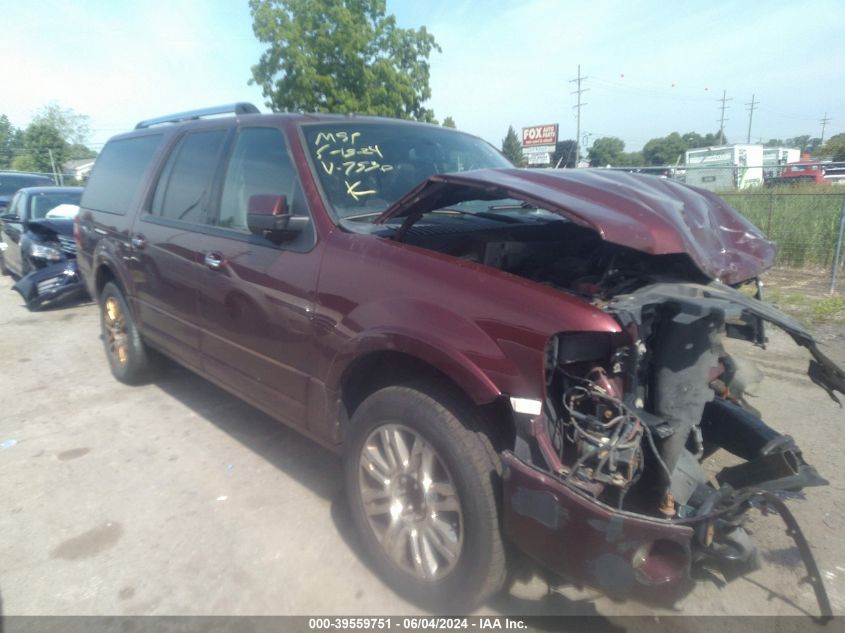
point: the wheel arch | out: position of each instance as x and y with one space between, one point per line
380 368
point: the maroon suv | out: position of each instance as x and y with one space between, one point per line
500 355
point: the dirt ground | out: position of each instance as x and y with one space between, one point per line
175 498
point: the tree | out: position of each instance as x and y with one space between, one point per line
54 130
665 150
606 151
341 56
564 155
43 146
71 126
833 148
9 141
512 148
630 159
449 122
694 139
813 145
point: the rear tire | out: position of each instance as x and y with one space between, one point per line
128 357
421 483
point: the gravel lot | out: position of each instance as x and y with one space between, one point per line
175 498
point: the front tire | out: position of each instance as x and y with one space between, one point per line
420 480
128 357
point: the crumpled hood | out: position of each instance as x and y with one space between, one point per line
49 227
646 213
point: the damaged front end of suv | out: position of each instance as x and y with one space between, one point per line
605 483
628 420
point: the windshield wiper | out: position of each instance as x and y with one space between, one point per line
504 207
360 216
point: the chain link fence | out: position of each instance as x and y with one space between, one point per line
807 227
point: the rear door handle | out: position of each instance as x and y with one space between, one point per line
214 260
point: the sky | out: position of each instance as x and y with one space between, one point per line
652 67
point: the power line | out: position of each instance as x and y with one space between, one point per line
578 106
722 119
751 107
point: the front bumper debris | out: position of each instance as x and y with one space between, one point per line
630 555
50 284
579 538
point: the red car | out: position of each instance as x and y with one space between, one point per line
532 356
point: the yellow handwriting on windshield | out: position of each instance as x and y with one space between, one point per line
353 190
346 153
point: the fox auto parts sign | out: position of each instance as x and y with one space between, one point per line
539 135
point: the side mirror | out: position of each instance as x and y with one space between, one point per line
268 216
10 217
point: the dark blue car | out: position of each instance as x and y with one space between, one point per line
37 244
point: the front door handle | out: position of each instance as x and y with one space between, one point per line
138 242
214 260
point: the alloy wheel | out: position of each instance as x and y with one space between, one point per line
411 502
115 322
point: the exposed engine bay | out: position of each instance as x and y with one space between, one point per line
631 417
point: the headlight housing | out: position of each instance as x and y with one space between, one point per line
50 251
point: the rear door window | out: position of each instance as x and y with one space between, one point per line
184 187
119 173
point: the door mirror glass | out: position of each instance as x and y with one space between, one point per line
267 204
268 216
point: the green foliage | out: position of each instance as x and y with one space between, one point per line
449 122
806 143
40 139
53 129
807 307
71 126
835 147
564 155
512 148
665 150
694 139
606 151
77 151
630 159
803 220
25 162
343 56
9 140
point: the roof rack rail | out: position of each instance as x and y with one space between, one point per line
230 108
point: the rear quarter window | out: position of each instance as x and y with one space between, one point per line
119 173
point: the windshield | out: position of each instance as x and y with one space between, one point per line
41 203
365 167
9 184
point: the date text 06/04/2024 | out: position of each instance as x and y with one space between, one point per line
414 624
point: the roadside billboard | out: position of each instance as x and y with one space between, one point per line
539 135
538 154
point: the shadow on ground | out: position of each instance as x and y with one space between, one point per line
320 471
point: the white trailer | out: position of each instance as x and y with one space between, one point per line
775 158
725 167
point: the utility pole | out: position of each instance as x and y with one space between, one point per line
56 178
578 106
722 119
824 121
751 107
